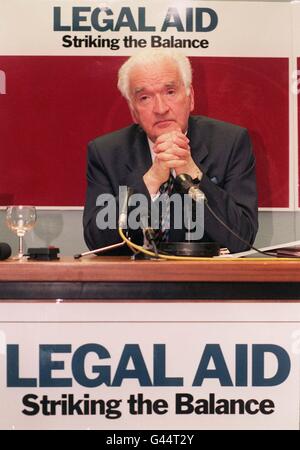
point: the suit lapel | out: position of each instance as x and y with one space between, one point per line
198 147
139 160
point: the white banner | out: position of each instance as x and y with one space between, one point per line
149 366
76 27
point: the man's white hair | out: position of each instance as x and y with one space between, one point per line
151 57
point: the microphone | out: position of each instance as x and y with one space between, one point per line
183 184
5 251
124 208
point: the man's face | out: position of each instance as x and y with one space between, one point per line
159 102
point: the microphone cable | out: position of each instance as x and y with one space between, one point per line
186 183
234 233
135 247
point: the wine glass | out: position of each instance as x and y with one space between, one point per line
20 219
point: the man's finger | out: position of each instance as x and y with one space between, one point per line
172 136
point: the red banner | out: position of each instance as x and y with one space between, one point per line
55 104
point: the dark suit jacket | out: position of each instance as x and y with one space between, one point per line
221 150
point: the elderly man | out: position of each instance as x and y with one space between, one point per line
166 139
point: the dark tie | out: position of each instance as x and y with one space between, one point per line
167 186
162 234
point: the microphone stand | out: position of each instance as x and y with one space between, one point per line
100 250
122 224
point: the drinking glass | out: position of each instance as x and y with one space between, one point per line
20 219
